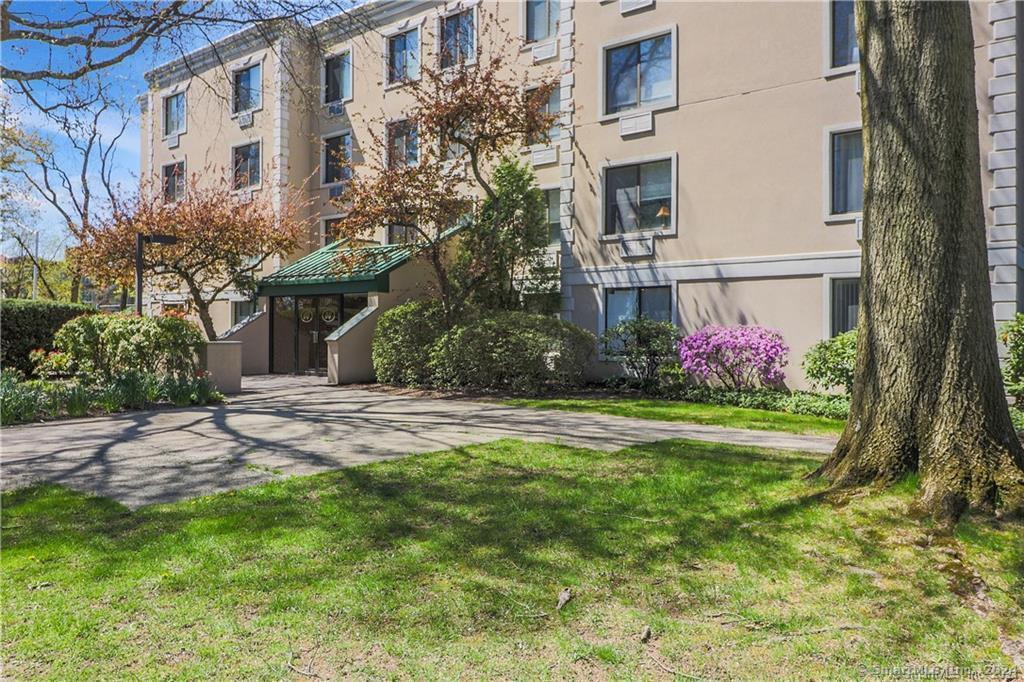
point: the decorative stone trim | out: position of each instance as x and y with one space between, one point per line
1003 161
566 157
282 115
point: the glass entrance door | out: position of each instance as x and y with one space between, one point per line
300 326
308 337
328 319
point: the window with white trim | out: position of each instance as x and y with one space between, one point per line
638 75
174 181
399 233
846 192
174 114
337 155
245 163
403 144
651 303
541 20
552 201
404 56
338 77
330 229
843 50
551 105
248 89
241 310
638 197
458 39
844 302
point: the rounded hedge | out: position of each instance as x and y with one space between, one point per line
402 342
511 350
830 363
26 326
106 346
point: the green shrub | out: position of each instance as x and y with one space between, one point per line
511 350
643 346
830 363
28 325
131 389
106 346
402 342
76 398
20 401
204 391
177 390
1012 336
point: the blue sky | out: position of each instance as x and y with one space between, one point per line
124 80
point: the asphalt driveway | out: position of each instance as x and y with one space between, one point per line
284 426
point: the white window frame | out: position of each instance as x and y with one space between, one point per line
828 70
554 246
673 227
387 140
323 154
450 11
671 30
351 69
184 171
231 165
183 91
323 226
232 300
527 89
524 28
248 63
829 217
658 281
826 298
391 32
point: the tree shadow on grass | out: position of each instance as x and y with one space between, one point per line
465 535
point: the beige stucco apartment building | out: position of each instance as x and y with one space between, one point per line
707 169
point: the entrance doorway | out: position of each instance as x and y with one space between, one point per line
300 325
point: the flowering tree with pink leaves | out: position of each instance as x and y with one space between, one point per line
737 357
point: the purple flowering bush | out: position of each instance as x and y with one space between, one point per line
738 357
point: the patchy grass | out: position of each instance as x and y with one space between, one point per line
695 413
449 565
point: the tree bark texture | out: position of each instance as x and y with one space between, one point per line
928 394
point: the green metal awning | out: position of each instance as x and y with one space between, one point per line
321 272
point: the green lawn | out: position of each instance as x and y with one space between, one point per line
695 413
449 564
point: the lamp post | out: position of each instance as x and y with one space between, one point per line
141 239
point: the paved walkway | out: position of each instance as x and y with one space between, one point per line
289 426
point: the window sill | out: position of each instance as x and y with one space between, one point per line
843 218
607 118
236 114
639 234
170 135
399 84
837 71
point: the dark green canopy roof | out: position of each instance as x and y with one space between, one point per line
321 272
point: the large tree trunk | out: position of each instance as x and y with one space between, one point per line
927 395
